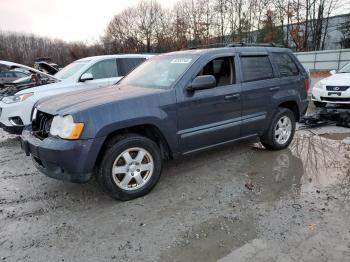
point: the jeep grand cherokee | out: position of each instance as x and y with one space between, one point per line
172 105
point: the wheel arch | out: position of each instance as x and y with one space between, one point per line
293 106
147 130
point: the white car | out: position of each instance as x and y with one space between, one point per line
90 72
334 89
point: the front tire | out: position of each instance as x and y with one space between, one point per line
319 104
281 130
130 167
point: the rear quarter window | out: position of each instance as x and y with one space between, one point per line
285 64
256 68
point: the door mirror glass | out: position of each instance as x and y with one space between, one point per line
86 77
333 72
202 82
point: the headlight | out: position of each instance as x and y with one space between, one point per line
65 128
319 85
16 98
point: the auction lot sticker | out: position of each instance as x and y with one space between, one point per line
181 61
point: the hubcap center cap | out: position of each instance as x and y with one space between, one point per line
132 168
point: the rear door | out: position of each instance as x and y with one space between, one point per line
259 83
290 77
212 116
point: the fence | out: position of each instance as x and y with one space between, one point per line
324 60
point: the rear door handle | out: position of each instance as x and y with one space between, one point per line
275 88
233 96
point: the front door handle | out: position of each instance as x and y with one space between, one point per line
233 96
275 88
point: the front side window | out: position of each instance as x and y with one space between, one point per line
222 69
256 68
70 70
285 64
126 65
104 69
160 72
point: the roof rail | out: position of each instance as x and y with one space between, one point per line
233 44
242 44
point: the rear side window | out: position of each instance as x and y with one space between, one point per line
256 68
104 69
126 65
223 70
285 64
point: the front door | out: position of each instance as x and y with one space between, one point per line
104 73
212 116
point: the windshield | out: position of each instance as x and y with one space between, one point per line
70 69
159 72
345 69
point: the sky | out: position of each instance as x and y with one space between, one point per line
70 20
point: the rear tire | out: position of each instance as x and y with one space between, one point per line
319 104
281 130
130 167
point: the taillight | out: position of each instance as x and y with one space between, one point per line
306 84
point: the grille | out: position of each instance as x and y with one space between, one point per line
41 124
337 88
335 99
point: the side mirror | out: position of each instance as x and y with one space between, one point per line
202 82
86 77
333 72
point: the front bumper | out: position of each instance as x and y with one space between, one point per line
15 130
21 111
72 161
323 95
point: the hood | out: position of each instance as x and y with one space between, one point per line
47 67
82 100
339 79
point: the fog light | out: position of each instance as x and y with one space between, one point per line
16 121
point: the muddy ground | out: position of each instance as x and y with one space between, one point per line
238 203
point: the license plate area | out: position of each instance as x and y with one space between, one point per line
334 93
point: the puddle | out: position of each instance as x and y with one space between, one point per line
336 136
326 162
311 162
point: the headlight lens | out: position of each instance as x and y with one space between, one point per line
16 98
320 85
65 128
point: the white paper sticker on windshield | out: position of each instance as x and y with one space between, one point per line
181 61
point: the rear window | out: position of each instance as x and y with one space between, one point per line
285 64
126 65
256 68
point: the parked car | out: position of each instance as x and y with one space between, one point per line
172 105
87 73
334 89
10 76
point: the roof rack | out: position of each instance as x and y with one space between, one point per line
242 44
235 44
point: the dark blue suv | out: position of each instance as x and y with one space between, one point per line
172 105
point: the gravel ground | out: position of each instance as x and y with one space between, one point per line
238 203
